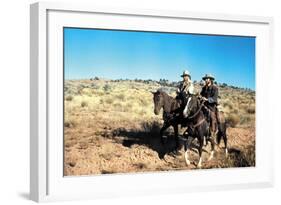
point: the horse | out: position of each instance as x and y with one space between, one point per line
198 128
171 109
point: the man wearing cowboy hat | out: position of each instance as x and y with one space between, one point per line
209 94
185 89
209 91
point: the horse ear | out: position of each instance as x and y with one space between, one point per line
152 92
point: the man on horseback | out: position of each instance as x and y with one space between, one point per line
209 94
185 89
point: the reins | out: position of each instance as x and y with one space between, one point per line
199 123
197 112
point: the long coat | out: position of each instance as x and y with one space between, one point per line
211 93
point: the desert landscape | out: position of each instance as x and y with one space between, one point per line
110 127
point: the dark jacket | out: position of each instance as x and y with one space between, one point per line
211 93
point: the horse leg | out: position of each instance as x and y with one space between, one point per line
219 135
164 140
225 143
199 165
186 149
212 148
176 130
223 131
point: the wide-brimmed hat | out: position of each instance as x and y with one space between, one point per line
186 73
208 76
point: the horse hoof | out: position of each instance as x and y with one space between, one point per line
199 165
186 158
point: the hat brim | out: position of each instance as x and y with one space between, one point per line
185 75
204 78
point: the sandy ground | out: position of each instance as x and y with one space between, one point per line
123 151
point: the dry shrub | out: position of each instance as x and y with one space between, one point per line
107 88
69 123
227 104
69 98
251 110
84 104
109 100
245 120
232 120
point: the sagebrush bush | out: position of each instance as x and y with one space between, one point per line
232 120
69 123
84 104
69 98
106 87
251 110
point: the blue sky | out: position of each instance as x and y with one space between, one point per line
152 55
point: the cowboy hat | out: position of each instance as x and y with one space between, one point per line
185 73
208 76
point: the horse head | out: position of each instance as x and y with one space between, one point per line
158 100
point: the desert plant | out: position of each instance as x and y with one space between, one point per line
69 98
245 120
109 100
251 110
84 104
233 120
69 123
106 88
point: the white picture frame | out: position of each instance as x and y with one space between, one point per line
47 182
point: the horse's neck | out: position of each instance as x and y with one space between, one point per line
197 113
168 101
198 117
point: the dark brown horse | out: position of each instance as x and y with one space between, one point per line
200 128
171 112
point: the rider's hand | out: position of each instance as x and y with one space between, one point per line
205 99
